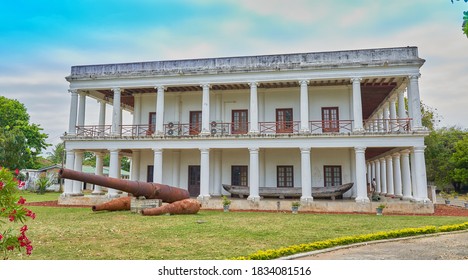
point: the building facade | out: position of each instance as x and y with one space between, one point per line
294 120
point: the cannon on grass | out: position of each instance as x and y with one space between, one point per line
178 199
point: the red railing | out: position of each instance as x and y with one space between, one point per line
388 125
93 130
137 130
339 126
279 127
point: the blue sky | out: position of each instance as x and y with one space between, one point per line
41 39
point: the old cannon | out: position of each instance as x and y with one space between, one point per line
136 188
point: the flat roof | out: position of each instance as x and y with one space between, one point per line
257 63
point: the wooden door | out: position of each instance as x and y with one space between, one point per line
195 122
240 121
284 120
330 119
194 180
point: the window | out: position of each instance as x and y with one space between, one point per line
285 176
195 122
239 175
332 175
149 173
239 122
152 122
330 119
284 120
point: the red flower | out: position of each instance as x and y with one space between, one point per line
16 171
11 218
29 249
1 185
21 200
10 248
31 214
24 229
1 237
21 184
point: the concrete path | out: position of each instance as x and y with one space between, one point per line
441 246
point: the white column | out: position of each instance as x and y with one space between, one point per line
415 101
137 109
73 111
253 108
372 163
390 186
401 109
114 167
158 165
82 109
176 168
77 185
397 175
205 110
357 105
306 177
393 116
69 164
361 175
102 117
414 185
378 188
369 173
217 173
386 117
99 171
254 178
406 175
160 111
135 171
116 112
380 124
204 175
420 173
383 176
304 100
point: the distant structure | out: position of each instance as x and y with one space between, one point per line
292 120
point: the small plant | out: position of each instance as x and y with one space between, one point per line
381 206
295 204
42 183
226 201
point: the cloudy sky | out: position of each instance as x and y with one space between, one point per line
40 40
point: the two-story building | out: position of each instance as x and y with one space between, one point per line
292 120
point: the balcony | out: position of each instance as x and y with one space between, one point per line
228 129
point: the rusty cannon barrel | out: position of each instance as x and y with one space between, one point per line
148 190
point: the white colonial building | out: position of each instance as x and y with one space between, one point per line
293 120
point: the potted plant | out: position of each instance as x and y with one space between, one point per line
445 196
295 206
226 203
465 198
380 209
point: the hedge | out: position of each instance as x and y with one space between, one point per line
340 241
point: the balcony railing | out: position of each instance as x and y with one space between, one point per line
339 126
220 128
279 127
388 125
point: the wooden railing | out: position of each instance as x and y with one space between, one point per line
279 127
216 128
339 126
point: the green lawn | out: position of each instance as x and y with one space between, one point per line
79 233
34 197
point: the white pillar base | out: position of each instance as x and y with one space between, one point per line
253 199
306 200
203 198
113 194
364 199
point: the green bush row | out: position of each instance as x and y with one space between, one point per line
340 241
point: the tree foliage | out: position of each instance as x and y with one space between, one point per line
459 160
440 146
20 141
465 19
57 154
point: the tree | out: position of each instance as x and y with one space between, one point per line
459 160
20 141
465 20
57 154
440 145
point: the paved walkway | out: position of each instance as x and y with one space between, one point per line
442 246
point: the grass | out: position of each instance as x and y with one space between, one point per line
79 233
34 197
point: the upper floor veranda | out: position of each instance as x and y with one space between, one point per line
342 93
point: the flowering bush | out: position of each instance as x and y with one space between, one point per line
12 211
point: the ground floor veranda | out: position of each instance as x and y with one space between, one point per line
399 173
